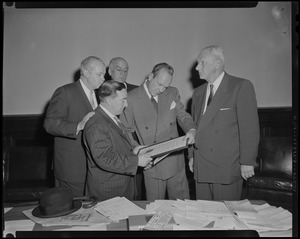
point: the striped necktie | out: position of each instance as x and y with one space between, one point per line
120 124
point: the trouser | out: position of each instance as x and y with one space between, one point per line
217 191
176 186
77 188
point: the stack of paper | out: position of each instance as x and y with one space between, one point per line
119 208
269 218
228 215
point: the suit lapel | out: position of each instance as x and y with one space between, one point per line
112 124
83 95
215 105
199 112
146 105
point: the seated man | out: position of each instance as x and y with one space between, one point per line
112 161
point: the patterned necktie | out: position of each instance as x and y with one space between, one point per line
211 94
120 124
154 102
92 100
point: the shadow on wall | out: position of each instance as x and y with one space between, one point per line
195 81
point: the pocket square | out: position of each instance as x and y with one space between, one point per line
225 108
173 105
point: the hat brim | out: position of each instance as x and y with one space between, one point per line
76 205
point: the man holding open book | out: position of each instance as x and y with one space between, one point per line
153 111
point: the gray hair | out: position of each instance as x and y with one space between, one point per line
89 64
216 51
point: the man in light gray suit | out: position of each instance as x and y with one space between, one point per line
153 111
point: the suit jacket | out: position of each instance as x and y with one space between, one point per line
151 127
228 133
130 86
111 162
68 105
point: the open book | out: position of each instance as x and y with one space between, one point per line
160 150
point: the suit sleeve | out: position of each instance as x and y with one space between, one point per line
248 124
191 147
99 141
56 121
184 119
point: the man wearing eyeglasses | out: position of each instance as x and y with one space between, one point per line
118 70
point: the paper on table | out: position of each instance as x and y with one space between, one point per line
165 147
242 208
6 209
17 225
275 219
208 207
118 208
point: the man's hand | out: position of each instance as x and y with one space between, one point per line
144 160
190 135
82 123
247 171
191 164
137 148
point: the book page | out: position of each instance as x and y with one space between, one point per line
165 147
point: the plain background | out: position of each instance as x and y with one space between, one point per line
43 48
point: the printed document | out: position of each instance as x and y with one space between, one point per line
162 148
119 208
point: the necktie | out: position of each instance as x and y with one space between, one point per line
211 94
92 100
120 124
154 102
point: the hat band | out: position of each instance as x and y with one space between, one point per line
55 210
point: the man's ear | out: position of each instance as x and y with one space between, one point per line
108 101
86 73
109 71
151 76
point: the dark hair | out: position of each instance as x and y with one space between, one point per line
160 66
109 88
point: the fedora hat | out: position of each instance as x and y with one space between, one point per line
56 202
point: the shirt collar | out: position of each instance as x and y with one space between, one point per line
147 91
109 114
86 90
217 82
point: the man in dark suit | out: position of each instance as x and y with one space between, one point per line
69 109
118 70
227 138
112 159
153 111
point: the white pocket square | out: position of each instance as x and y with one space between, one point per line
173 105
225 108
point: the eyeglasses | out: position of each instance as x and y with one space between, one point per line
118 69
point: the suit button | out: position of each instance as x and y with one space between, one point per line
146 127
211 149
217 131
